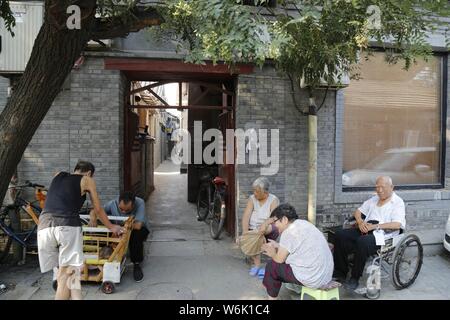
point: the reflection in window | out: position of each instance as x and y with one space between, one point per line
392 124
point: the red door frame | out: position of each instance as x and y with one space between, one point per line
154 69
227 171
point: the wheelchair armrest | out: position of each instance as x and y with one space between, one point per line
350 218
349 222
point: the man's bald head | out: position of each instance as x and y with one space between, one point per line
385 179
384 187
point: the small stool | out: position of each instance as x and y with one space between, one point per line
328 292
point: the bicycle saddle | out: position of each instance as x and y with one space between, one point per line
219 181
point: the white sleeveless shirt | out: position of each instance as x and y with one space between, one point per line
260 213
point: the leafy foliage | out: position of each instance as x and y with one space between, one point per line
7 15
317 40
329 37
314 40
122 9
218 30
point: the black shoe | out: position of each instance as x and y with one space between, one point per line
55 285
339 277
352 284
137 273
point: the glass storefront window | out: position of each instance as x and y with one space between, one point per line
392 124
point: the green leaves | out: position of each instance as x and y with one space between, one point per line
7 16
326 38
218 30
315 40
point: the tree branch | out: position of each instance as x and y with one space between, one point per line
119 27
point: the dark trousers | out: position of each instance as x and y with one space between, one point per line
275 275
349 241
136 244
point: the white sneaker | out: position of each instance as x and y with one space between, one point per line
361 290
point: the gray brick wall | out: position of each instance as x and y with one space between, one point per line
4 83
84 122
120 112
264 101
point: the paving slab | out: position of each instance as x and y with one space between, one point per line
165 291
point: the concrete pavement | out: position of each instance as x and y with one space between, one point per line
183 262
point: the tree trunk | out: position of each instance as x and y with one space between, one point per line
55 50
312 172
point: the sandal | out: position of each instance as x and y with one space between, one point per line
261 273
254 271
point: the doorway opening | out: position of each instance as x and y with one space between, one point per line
155 113
206 93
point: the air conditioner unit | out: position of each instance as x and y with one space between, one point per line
15 51
344 82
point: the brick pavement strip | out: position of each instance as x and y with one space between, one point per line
221 262
29 283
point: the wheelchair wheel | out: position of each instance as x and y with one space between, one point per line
373 294
407 261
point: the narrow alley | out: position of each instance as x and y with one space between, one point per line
182 259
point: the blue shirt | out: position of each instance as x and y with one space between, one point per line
112 209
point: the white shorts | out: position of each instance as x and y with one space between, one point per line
60 247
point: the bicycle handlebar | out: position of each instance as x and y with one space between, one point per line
34 185
29 184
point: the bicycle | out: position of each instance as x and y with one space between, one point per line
211 205
10 222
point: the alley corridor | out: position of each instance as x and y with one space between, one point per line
182 259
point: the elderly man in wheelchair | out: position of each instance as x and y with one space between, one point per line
377 231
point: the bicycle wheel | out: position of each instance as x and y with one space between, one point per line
11 220
203 202
218 216
407 261
4 248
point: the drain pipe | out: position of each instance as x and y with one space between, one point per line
312 171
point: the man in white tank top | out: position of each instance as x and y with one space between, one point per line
256 217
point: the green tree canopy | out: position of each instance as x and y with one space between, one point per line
318 40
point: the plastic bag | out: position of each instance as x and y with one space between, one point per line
373 283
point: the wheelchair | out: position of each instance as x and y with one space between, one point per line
399 259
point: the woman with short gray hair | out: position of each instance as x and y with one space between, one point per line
256 217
